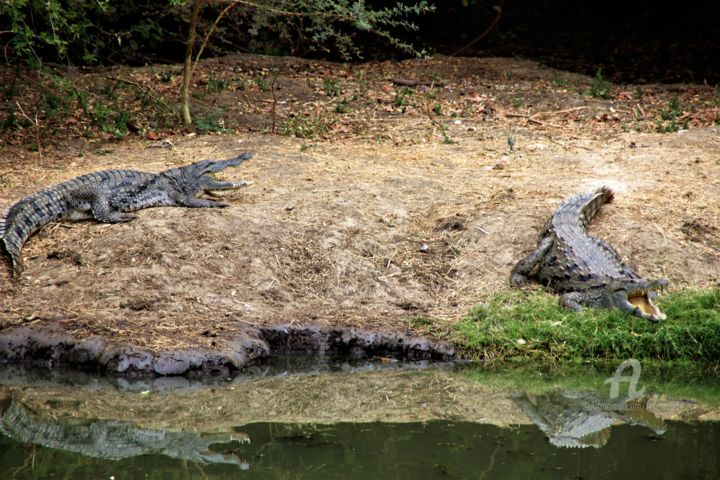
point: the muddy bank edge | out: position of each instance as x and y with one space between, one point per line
50 346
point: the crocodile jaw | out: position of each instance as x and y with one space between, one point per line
642 302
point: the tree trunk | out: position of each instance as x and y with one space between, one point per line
187 71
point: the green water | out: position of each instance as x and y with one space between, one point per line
437 449
358 423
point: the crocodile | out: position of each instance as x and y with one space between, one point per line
115 439
584 419
108 196
584 269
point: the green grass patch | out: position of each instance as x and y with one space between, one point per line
532 325
420 320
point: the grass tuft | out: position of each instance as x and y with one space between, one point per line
531 325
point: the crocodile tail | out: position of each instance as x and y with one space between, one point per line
8 245
21 220
597 199
583 207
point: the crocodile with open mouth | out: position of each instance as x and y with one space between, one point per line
108 196
584 269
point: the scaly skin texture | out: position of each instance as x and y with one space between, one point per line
580 420
585 270
108 196
113 439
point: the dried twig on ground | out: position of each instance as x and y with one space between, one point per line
35 123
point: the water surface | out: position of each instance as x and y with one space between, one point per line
364 421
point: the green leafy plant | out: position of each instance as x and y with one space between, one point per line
670 118
10 122
558 82
262 84
212 121
217 85
82 32
343 106
331 87
321 25
599 87
306 126
444 131
402 97
102 31
52 104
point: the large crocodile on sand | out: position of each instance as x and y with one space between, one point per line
108 196
584 269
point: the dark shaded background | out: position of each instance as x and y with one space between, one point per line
632 40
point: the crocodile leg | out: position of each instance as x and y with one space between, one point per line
192 202
522 270
572 301
101 211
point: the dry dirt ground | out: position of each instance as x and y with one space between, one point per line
391 212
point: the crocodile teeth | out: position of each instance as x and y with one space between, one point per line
641 301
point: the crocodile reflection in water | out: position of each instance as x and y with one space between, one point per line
113 439
579 420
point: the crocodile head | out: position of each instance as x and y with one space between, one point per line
636 297
197 177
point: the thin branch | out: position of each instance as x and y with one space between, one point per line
35 123
187 69
534 118
435 123
406 82
499 10
274 102
210 32
557 112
